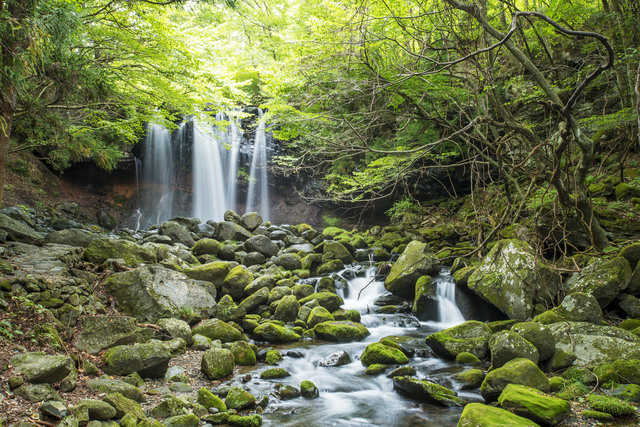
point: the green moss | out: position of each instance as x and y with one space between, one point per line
556 384
467 358
210 400
341 331
333 232
597 415
309 390
630 324
611 405
239 399
376 369
273 357
378 353
573 391
478 414
274 373
532 404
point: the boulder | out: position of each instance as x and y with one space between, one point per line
632 254
378 353
513 278
216 329
251 220
427 391
594 344
71 237
629 304
262 244
147 360
577 307
469 379
176 328
102 249
479 415
508 345
235 282
93 410
177 233
259 283
470 337
213 272
287 310
39 367
338 251
114 386
273 332
206 247
416 260
274 373
217 363
105 220
602 279
37 393
425 303
227 310
240 399
341 331
210 400
252 302
289 262
534 405
20 232
231 231
538 335
152 293
335 359
308 390
318 315
124 405
243 354
517 371
100 333
328 300
619 371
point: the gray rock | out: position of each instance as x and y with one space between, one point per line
538 335
38 367
177 233
115 386
105 220
101 249
630 305
287 310
205 230
201 343
262 244
176 328
602 279
19 232
251 220
103 332
576 307
252 302
232 216
53 409
148 360
427 391
217 363
72 237
335 359
37 393
471 337
231 231
152 293
508 345
417 260
289 261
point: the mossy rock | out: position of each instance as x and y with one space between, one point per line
576 307
508 345
318 315
341 331
376 369
216 329
213 272
470 337
210 400
342 314
240 399
533 404
628 392
100 250
274 373
243 353
124 405
538 335
328 300
629 324
611 405
620 371
273 357
115 386
417 260
273 332
217 363
333 232
517 371
469 379
502 325
330 266
467 358
148 360
427 391
604 279
480 415
597 415
380 354
309 390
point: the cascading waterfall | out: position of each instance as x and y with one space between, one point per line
158 170
448 311
209 198
233 139
258 173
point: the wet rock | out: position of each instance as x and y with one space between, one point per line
417 260
427 391
471 337
115 386
517 371
318 315
39 367
274 373
100 333
188 420
514 279
380 354
335 359
328 300
273 332
469 379
341 331
148 360
534 405
309 390
240 399
287 392
217 363
216 329
152 293
102 249
210 400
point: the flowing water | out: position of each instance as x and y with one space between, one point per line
209 195
258 193
157 171
349 397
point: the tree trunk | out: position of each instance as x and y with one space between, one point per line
7 109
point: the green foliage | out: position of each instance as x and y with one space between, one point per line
331 221
611 405
405 210
8 330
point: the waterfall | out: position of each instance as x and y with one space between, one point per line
209 198
157 171
258 172
233 139
448 311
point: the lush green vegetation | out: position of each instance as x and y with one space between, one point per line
372 97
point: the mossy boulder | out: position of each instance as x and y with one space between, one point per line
508 345
39 367
176 328
611 405
273 357
513 278
243 354
210 400
274 373
604 279
255 300
309 390
114 386
380 354
341 331
102 249
533 404
318 315
338 251
425 303
517 371
287 310
169 407
577 307
90 409
469 379
152 293
212 272
480 415
124 405
467 358
628 392
185 420
235 282
206 247
148 360
289 262
217 363
593 344
330 266
417 260
273 332
470 337
620 371
216 329
538 335
328 300
426 391
239 399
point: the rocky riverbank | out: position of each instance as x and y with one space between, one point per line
172 326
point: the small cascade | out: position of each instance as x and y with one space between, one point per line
233 140
209 198
157 171
258 193
448 311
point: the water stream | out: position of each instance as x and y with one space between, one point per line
349 397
